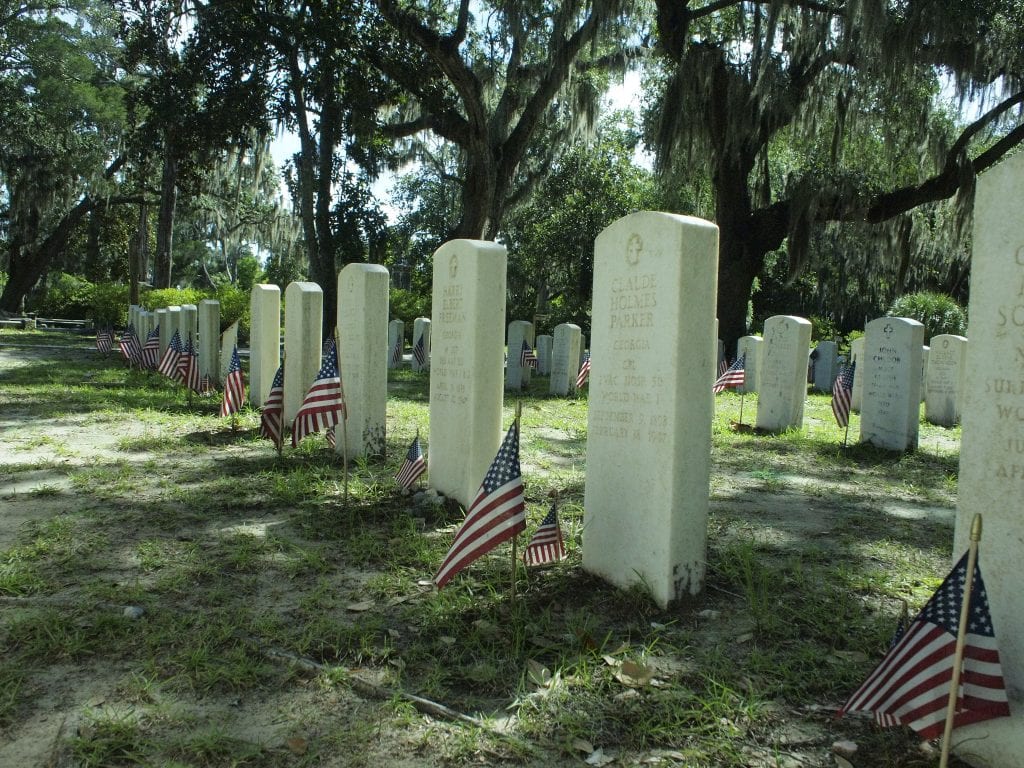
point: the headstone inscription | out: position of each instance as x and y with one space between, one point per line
891 408
749 348
650 403
466 367
362 322
944 385
782 383
303 343
565 351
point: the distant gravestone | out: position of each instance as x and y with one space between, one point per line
545 342
303 343
163 320
749 348
188 323
991 477
826 365
466 372
857 358
264 340
362 322
925 352
945 382
782 382
517 375
396 343
228 342
209 338
650 404
174 323
565 351
891 408
421 330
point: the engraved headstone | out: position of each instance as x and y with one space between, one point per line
467 336
188 323
991 478
303 343
264 340
421 330
857 358
925 351
174 324
228 342
565 351
362 322
163 319
944 385
544 344
209 340
396 343
650 404
782 378
891 408
826 365
749 347
517 375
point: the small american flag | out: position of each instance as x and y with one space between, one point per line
396 353
104 340
733 376
271 416
419 351
172 355
842 393
546 545
151 349
584 374
324 404
331 435
130 346
497 513
527 358
412 467
234 387
206 387
911 684
723 366
188 367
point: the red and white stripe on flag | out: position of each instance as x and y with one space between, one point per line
546 544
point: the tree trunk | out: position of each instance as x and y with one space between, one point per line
165 220
478 196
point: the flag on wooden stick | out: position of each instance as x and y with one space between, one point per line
324 404
842 394
151 349
412 467
396 353
546 545
272 414
527 358
584 374
911 685
419 351
733 376
497 513
104 340
169 362
130 346
234 386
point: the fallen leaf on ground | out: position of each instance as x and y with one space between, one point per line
297 746
358 607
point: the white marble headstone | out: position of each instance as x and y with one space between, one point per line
517 375
421 330
209 340
544 344
944 384
750 347
891 408
264 340
303 343
857 357
396 343
782 381
565 351
826 365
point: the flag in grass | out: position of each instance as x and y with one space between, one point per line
419 352
842 395
497 513
130 346
188 367
324 404
104 340
733 376
412 467
172 355
584 374
546 545
151 349
911 684
272 413
527 358
396 354
234 386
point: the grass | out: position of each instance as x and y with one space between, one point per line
230 550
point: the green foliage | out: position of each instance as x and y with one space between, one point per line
65 296
170 297
109 304
937 312
234 305
408 305
246 273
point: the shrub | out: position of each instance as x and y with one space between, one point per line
407 306
65 296
937 312
109 304
170 297
234 305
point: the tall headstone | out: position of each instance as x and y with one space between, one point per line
189 323
228 341
891 408
826 365
857 357
925 352
750 347
991 479
421 330
650 403
396 343
264 340
468 334
209 340
517 375
565 351
944 385
303 343
175 324
544 344
163 319
782 380
362 323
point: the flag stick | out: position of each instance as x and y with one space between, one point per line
279 443
344 415
742 394
234 422
846 434
961 639
515 539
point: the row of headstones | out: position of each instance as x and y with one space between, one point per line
201 323
559 356
942 368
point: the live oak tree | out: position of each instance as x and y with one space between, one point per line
742 75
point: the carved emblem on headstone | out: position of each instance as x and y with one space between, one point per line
453 266
633 248
887 330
